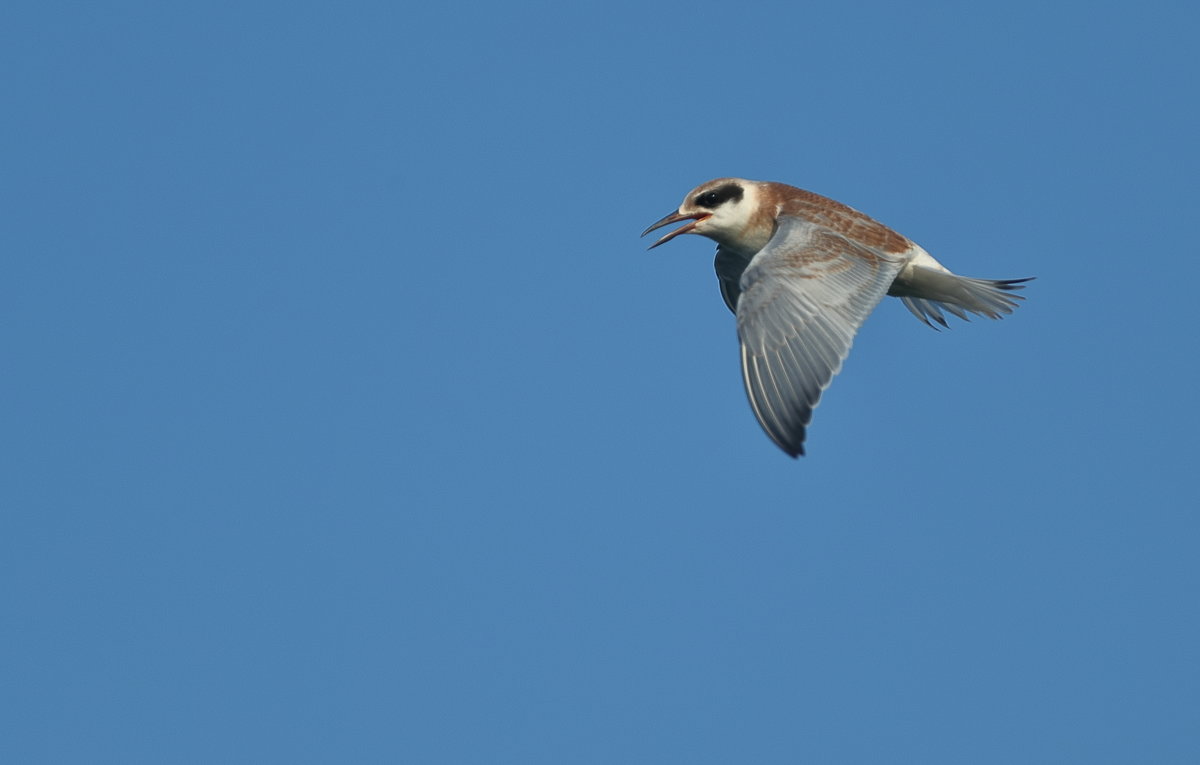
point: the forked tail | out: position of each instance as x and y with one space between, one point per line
932 292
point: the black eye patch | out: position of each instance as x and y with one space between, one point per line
719 196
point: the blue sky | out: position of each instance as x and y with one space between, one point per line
346 418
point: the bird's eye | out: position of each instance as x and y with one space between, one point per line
719 196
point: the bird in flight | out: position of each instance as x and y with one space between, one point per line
801 272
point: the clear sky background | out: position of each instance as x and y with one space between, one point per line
346 418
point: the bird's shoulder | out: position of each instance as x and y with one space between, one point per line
840 219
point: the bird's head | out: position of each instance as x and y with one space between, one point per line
724 210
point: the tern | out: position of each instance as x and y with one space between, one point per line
801 272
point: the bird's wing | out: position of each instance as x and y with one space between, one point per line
730 266
803 297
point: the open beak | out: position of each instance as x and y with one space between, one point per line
675 217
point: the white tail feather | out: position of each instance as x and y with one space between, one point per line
927 293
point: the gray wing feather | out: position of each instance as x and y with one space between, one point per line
802 299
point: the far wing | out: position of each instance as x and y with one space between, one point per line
803 298
730 267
